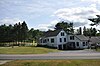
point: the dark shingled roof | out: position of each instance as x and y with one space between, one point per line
94 40
56 32
82 37
52 33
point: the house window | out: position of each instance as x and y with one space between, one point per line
60 39
64 39
77 43
86 44
62 33
44 41
52 40
71 37
48 40
41 40
83 43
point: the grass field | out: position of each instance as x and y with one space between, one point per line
26 50
98 49
53 63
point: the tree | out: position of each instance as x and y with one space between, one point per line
80 31
95 21
68 27
3 33
71 27
84 31
89 31
37 34
9 33
14 33
24 31
94 31
17 32
31 34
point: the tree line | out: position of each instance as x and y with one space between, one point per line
68 27
18 32
89 31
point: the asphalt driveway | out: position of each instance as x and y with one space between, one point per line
69 54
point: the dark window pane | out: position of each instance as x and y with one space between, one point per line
41 40
77 43
48 40
62 33
44 41
64 39
83 43
52 40
71 37
60 39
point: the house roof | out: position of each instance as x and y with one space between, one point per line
82 37
52 33
94 40
56 32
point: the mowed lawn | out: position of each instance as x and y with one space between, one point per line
53 63
26 50
98 49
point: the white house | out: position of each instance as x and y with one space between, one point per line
63 40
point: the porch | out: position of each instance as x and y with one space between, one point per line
69 45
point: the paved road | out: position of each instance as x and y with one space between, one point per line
77 54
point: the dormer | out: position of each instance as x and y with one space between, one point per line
62 34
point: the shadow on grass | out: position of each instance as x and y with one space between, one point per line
45 46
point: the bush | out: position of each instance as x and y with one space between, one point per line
2 45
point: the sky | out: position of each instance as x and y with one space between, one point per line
44 14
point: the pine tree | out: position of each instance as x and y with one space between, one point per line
80 31
95 21
84 31
24 31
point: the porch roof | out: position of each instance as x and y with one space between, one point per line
94 40
82 37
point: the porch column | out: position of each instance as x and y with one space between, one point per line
57 47
62 46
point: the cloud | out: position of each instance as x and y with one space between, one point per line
8 21
45 27
77 24
92 1
78 14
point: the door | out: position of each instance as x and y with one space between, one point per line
64 46
60 47
74 45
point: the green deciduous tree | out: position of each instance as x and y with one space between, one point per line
89 31
66 26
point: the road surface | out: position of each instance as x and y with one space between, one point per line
76 54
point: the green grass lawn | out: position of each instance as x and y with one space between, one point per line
98 49
53 63
26 50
